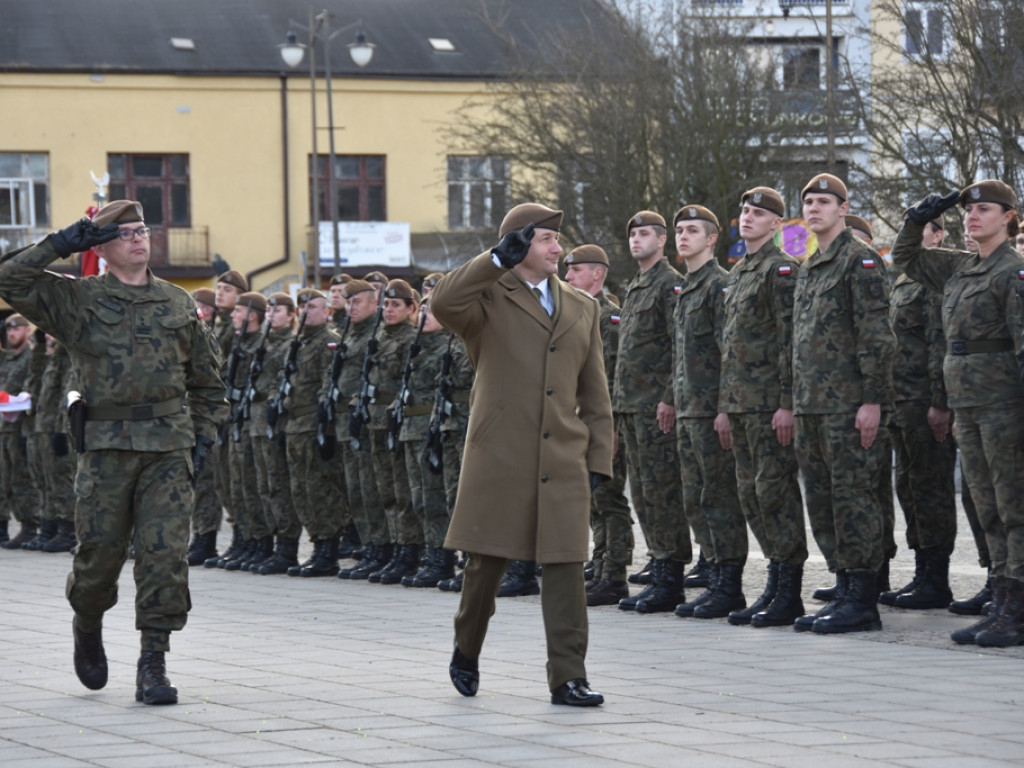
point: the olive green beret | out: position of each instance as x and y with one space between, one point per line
234 277
119 212
399 289
539 215
989 191
587 254
341 279
282 299
259 301
695 213
308 294
376 277
431 280
357 286
205 295
764 197
860 223
17 321
645 219
826 182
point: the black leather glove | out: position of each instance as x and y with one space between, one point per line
199 453
513 247
60 444
39 335
596 478
931 207
81 236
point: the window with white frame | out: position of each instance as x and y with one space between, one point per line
477 191
925 30
24 190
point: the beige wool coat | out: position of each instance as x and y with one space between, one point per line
540 415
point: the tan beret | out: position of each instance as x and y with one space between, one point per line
282 299
587 254
431 280
341 278
695 213
645 219
399 289
259 301
376 277
205 296
357 286
539 215
826 182
764 197
234 277
308 294
119 212
17 321
989 191
860 223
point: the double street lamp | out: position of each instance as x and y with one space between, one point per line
292 51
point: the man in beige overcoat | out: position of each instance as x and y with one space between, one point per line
540 437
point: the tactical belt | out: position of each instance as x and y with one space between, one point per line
979 347
460 396
418 410
141 412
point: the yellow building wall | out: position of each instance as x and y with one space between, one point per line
231 128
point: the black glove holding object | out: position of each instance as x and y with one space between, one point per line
931 207
513 247
81 236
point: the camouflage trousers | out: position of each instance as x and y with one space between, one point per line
219 458
207 511
709 491
141 497
274 488
393 486
427 491
57 477
611 523
317 491
885 490
35 445
924 479
767 479
971 513
371 519
453 443
992 448
841 481
655 484
18 495
245 498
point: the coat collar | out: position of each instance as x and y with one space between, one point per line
563 295
155 292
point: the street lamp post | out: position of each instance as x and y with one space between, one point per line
293 52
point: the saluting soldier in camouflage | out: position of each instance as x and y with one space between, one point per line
610 520
705 444
645 416
315 482
925 451
148 372
757 394
983 319
20 498
842 360
271 454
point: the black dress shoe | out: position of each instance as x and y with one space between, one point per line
90 658
576 693
464 673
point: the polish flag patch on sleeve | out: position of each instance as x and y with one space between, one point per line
677 289
332 345
1020 274
867 263
614 319
785 269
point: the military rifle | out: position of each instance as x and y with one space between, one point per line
244 411
237 354
327 414
442 410
396 413
359 412
275 408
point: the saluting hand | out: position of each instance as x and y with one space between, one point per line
514 246
931 207
81 236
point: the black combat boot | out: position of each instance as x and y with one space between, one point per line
25 535
700 575
296 570
519 580
857 611
426 558
264 551
968 635
591 571
369 555
972 606
920 561
381 557
350 544
203 547
453 584
440 565
1008 628
727 596
744 615
787 605
804 623
326 564
407 564
151 683
65 540
685 610
4 536
375 576
668 589
643 576
285 556
90 658
237 542
47 530
244 556
607 592
827 594
932 590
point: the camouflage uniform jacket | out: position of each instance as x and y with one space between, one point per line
386 375
982 300
916 316
610 319
842 342
224 331
359 335
426 367
697 341
265 386
643 369
53 387
14 379
757 343
313 364
129 346
462 376
244 348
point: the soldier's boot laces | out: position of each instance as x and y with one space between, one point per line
744 615
973 606
804 623
787 605
668 588
1008 628
932 591
151 683
857 611
889 598
727 596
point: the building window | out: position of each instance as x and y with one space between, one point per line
924 31
477 191
24 194
358 189
575 196
159 182
801 68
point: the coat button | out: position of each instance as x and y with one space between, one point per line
552 348
549 390
543 478
547 435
